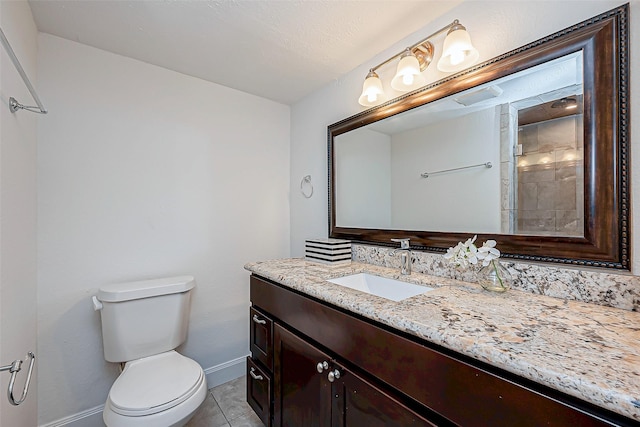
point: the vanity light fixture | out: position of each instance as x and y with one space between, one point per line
457 54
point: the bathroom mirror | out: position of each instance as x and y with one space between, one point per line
529 148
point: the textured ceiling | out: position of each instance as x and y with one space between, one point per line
281 50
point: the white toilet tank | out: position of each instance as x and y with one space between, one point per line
144 318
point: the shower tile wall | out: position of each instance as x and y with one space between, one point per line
508 136
550 177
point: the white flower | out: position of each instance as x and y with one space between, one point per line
488 252
467 253
463 254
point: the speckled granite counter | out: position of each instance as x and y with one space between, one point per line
585 350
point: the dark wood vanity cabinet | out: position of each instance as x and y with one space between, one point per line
332 368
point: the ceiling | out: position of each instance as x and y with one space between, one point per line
277 49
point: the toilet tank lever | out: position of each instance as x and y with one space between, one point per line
97 305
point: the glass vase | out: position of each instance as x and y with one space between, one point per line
494 277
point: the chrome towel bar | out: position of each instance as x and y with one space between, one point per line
487 165
14 105
14 368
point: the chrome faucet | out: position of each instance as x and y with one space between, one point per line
405 255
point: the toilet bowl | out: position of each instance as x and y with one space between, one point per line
142 324
156 391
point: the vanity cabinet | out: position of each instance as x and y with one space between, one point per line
387 378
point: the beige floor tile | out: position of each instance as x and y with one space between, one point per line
248 420
232 398
208 415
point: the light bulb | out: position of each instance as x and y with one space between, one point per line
456 57
407 79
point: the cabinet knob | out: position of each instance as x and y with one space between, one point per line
333 375
321 366
254 376
258 320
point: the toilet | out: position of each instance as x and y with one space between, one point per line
142 324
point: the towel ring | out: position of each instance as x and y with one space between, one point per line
306 182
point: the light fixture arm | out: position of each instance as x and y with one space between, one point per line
410 48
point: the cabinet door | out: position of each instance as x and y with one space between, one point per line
359 403
302 395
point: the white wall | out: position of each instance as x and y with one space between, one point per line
363 168
456 201
17 212
144 172
496 27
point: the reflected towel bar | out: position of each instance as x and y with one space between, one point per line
486 165
14 105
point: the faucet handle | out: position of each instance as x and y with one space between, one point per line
404 243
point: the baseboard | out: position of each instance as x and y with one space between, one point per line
216 375
89 418
226 371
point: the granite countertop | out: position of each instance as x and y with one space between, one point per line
585 350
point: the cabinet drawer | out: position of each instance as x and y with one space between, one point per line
261 336
259 391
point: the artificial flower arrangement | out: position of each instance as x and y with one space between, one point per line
492 275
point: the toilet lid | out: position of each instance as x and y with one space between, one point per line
156 383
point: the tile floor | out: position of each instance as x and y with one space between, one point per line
226 406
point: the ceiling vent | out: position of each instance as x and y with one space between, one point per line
479 95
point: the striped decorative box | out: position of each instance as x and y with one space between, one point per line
328 251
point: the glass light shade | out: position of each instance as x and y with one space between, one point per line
372 92
408 75
457 53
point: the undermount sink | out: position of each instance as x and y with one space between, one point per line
392 289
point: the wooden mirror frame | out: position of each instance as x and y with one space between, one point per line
604 42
